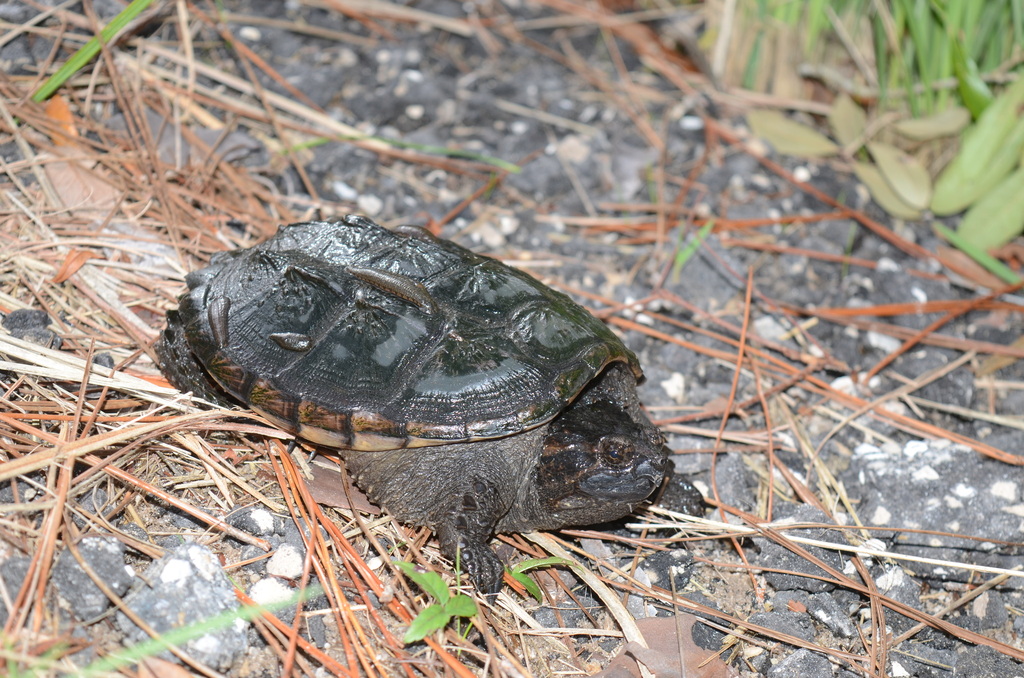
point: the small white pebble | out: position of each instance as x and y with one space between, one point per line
268 591
343 191
898 671
891 578
250 33
176 570
1004 489
370 205
914 448
802 174
691 123
888 265
264 520
508 223
675 387
964 491
844 385
925 474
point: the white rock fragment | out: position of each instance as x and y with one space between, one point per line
263 519
1004 489
691 123
370 205
268 591
964 491
675 387
914 448
880 516
286 562
882 342
176 570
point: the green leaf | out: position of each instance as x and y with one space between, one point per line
971 175
882 192
531 586
975 93
947 123
430 582
519 571
847 119
905 174
426 622
990 150
998 217
788 136
461 606
534 563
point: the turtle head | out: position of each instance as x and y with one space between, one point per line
598 462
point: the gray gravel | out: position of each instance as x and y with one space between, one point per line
433 88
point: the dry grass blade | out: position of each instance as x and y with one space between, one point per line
191 136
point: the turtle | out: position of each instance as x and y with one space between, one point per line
462 394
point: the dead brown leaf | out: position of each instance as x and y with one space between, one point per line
328 488
671 652
57 109
74 261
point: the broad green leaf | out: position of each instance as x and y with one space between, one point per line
430 582
905 174
882 192
531 586
426 622
847 119
990 150
947 123
971 175
975 93
460 606
790 137
998 217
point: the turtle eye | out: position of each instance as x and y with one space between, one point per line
615 450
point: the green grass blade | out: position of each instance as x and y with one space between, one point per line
1017 15
89 50
817 22
687 252
986 260
179 636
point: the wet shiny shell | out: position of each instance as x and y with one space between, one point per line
355 336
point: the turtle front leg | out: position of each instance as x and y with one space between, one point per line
464 529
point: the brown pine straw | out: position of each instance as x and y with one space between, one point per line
79 426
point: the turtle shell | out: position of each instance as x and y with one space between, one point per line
355 336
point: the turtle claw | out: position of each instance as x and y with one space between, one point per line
484 568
